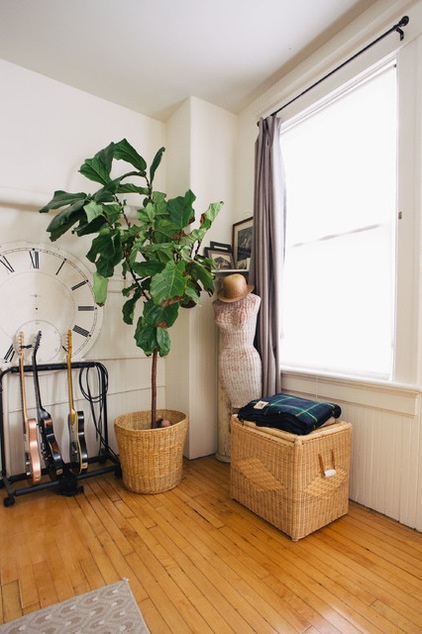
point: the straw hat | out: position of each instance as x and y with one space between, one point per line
234 287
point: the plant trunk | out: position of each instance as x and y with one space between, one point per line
154 388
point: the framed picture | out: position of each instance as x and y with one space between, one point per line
222 259
221 246
242 242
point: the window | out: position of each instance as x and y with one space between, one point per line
340 275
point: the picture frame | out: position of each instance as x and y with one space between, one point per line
221 246
223 260
242 242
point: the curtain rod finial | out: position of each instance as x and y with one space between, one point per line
403 22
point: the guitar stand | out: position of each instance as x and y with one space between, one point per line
69 483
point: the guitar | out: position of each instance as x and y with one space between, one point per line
77 450
32 454
49 446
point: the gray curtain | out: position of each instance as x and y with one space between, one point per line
268 246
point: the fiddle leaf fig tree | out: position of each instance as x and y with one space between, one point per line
158 247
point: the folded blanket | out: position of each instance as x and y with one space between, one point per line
289 413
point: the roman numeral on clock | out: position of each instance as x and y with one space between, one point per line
79 285
8 357
6 263
80 331
35 259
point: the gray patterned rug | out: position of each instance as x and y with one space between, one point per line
108 610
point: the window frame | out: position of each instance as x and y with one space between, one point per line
406 346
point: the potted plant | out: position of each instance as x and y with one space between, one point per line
157 247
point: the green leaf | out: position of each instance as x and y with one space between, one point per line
98 168
129 306
164 317
65 219
163 342
169 284
92 210
144 269
160 202
211 214
203 275
123 151
192 294
85 228
131 188
100 287
62 199
105 195
146 337
166 230
155 163
106 252
180 210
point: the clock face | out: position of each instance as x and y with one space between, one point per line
43 288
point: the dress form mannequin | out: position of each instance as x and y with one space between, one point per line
239 363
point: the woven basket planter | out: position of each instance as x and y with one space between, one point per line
151 459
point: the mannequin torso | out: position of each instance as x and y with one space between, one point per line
239 363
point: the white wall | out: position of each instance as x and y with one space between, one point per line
207 169
45 138
386 470
47 129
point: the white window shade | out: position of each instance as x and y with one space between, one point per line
339 283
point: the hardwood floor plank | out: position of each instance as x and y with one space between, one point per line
11 605
403 535
153 617
46 591
400 583
169 609
400 620
385 549
28 589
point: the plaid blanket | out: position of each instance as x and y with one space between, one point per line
289 413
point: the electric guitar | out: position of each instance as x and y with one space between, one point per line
77 449
32 454
49 446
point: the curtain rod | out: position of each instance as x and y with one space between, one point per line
396 28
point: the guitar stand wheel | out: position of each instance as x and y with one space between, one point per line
9 501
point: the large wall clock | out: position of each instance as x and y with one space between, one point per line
43 288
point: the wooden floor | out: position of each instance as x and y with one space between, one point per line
199 562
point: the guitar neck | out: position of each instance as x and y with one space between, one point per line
23 390
40 408
42 413
72 412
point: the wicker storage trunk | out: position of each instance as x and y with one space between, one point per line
297 483
151 459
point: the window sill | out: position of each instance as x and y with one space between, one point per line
401 399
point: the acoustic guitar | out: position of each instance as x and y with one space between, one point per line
32 454
49 446
77 449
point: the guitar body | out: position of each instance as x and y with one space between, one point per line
32 453
49 446
78 454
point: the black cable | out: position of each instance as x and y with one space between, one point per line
97 399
